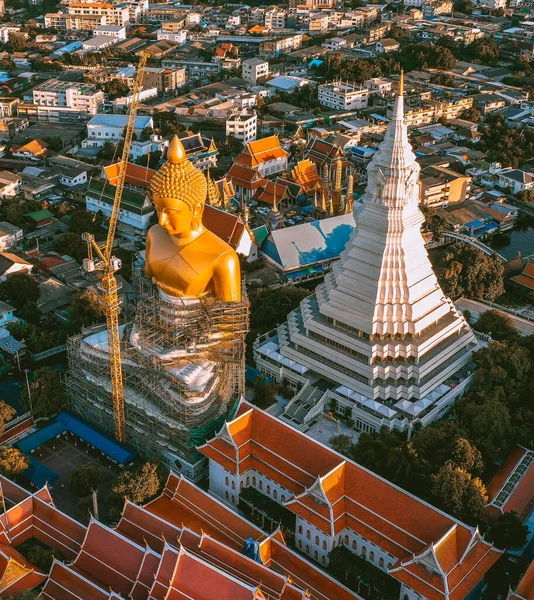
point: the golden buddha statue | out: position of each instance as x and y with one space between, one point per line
183 258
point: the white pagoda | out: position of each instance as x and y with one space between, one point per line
378 341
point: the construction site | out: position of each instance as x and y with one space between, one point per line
183 374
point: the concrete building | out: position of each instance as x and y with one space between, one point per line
112 30
441 186
10 236
99 42
165 80
62 101
318 24
10 184
73 177
275 18
275 48
378 85
114 14
378 341
67 22
343 96
434 8
387 45
178 37
110 128
243 126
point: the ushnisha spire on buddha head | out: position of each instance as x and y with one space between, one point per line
178 181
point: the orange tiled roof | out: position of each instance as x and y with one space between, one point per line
245 177
271 192
135 174
354 497
525 588
305 174
261 151
228 227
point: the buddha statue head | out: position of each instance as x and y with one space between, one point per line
179 191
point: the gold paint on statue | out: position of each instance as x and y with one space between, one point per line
183 258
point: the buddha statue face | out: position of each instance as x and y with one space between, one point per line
179 191
178 217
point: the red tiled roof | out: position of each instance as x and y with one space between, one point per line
525 588
135 174
228 227
245 177
261 151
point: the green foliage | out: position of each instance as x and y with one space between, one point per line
83 221
27 595
6 414
110 151
265 394
12 461
85 479
436 223
275 511
471 114
230 147
353 570
342 443
151 160
509 146
485 51
498 324
508 531
138 486
38 338
115 88
55 143
19 289
464 270
7 64
85 310
72 244
167 123
15 42
458 492
39 555
47 393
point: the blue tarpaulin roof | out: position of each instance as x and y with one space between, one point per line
110 447
40 437
67 422
38 474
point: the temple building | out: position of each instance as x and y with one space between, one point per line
378 342
182 349
338 502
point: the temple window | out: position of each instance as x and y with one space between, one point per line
308 535
316 540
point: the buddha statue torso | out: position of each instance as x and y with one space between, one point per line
204 265
182 257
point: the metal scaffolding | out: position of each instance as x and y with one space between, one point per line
183 362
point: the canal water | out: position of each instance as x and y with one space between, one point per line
520 239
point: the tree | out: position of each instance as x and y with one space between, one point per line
498 324
341 563
83 221
72 245
27 595
342 443
457 491
85 310
139 485
12 461
265 394
55 143
508 531
47 393
467 457
7 64
6 414
464 270
116 89
471 114
20 288
488 426
15 42
40 556
110 151
85 479
503 365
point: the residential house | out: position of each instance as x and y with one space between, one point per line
10 184
11 263
73 177
387 46
10 236
516 179
36 150
440 186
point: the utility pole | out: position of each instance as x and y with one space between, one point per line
29 390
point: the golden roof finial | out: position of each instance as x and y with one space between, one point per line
401 84
176 152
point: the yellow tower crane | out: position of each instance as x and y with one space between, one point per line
109 264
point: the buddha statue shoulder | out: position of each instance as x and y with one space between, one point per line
183 258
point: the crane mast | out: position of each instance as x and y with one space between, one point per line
109 264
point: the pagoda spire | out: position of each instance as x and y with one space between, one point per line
349 198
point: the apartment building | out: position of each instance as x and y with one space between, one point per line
243 126
114 14
62 101
378 85
114 31
275 19
343 96
165 80
440 186
66 22
254 69
491 4
275 48
318 23
178 37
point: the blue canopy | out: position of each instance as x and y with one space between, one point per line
39 474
